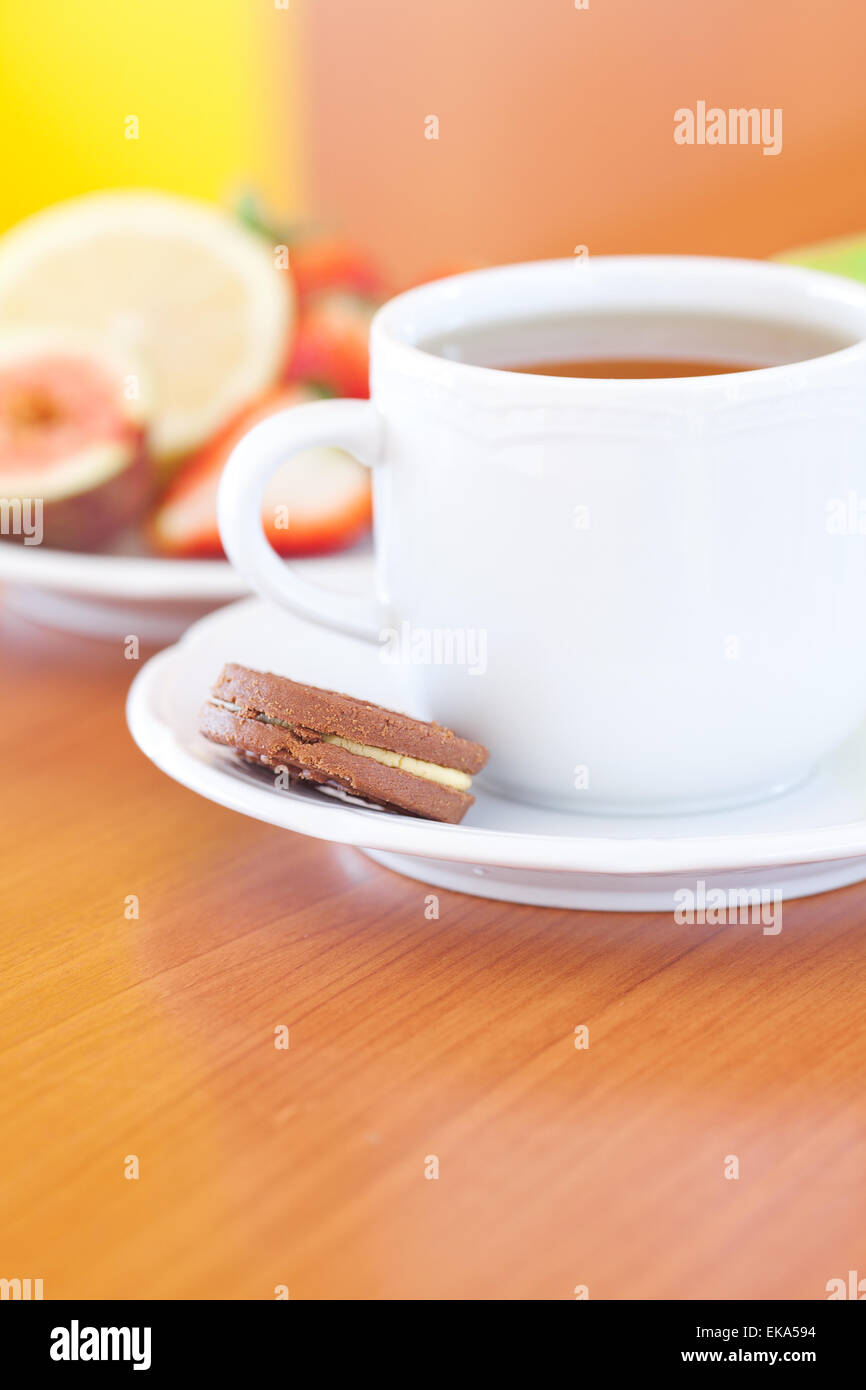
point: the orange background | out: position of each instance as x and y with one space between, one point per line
556 125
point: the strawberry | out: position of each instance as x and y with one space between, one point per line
331 344
332 264
317 502
318 260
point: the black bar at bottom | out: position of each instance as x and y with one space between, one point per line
220 1338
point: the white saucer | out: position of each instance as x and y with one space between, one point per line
808 841
110 596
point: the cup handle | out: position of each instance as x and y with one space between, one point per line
346 424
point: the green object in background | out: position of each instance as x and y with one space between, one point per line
847 256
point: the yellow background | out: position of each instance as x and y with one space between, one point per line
198 75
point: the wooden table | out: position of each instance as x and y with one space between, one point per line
304 1167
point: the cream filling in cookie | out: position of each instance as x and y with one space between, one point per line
431 772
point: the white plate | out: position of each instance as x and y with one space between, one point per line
808 841
112 595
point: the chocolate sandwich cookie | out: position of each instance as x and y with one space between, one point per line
322 736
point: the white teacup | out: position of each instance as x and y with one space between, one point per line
642 595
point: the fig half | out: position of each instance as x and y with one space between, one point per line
74 468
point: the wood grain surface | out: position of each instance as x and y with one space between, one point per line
409 1038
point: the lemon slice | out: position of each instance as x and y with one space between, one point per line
178 284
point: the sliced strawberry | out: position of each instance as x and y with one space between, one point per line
331 348
318 501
